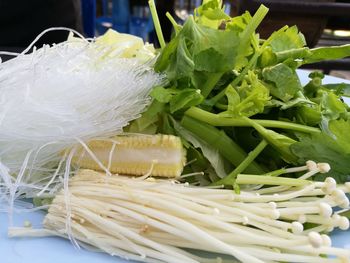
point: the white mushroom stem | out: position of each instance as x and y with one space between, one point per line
115 246
155 220
305 210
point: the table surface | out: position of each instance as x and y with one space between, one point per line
54 249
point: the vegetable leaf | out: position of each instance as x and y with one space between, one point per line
288 39
162 94
342 89
147 123
327 53
250 99
185 99
323 148
210 14
290 104
212 154
331 148
309 115
284 81
332 106
206 40
281 143
183 64
341 130
198 50
220 65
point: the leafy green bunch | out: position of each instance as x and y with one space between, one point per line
237 102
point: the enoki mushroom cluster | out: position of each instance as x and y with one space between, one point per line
159 220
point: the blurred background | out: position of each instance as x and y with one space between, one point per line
323 22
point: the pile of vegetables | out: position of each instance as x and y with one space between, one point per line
268 159
230 93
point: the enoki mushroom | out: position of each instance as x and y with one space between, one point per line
154 220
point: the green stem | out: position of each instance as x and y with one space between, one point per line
280 142
221 142
296 53
268 180
252 26
210 84
221 106
216 120
245 37
257 54
230 179
156 23
244 72
214 100
176 26
276 173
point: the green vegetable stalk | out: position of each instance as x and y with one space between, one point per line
222 76
220 141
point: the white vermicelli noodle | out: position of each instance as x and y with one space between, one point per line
58 96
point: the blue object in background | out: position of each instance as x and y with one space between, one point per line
103 23
141 23
119 19
138 22
139 27
121 15
88 10
105 7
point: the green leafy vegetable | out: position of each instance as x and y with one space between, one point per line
280 142
288 39
342 89
220 141
185 99
284 81
210 14
224 80
163 95
328 53
209 152
323 148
